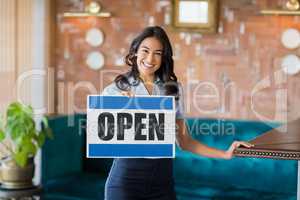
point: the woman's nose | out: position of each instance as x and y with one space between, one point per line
150 58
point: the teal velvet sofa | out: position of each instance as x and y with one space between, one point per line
67 174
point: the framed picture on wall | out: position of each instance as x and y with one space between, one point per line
195 15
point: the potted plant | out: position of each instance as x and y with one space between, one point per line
21 140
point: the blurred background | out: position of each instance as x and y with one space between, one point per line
220 70
239 62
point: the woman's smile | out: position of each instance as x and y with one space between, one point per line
146 65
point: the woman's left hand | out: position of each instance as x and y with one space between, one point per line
234 145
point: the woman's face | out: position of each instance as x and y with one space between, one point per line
149 56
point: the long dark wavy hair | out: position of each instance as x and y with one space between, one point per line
166 70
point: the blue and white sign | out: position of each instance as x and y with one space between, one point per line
130 127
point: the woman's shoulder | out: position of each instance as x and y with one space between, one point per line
111 89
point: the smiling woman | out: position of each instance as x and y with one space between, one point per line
152 73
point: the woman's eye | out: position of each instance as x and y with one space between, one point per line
145 50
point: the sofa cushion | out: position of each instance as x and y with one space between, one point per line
62 155
83 186
238 174
186 191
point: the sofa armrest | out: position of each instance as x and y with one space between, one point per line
264 175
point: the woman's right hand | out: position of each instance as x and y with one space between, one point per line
234 145
127 93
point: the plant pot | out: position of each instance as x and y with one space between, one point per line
16 177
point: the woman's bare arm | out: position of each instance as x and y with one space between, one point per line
187 143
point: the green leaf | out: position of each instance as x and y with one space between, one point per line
29 147
16 132
49 133
21 158
28 110
25 143
24 150
2 135
45 122
29 127
2 128
41 139
45 128
14 109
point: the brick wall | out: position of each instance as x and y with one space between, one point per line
219 71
